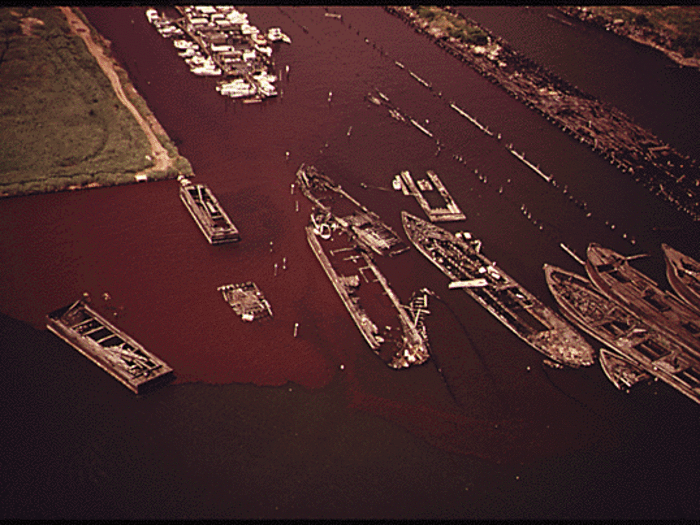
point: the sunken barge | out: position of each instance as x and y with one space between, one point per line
398 338
638 346
447 211
108 347
460 259
206 211
363 225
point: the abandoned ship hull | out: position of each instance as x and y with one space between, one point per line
369 299
624 332
683 274
516 308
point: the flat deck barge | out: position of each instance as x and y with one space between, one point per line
449 211
615 278
365 226
510 303
394 335
627 334
683 274
247 300
108 347
206 211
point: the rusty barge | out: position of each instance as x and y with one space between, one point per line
364 226
398 338
638 346
206 211
460 259
108 347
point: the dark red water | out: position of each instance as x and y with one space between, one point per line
493 399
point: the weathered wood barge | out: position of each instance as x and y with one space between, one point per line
247 300
640 295
108 347
629 335
206 211
683 274
459 258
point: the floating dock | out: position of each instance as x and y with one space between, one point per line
626 333
108 347
510 303
206 211
448 212
247 300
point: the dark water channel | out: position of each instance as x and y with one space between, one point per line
262 424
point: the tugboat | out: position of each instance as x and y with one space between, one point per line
629 335
683 274
460 259
398 338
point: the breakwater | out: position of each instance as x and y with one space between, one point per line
671 175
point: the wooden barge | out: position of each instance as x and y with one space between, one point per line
459 258
397 338
626 333
206 211
108 347
449 211
639 294
247 300
683 274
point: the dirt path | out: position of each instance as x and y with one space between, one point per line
159 154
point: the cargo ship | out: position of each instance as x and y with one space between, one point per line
627 334
460 259
108 347
613 275
683 274
206 211
394 335
365 226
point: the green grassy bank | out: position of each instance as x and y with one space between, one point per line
61 124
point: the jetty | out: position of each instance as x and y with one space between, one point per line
108 347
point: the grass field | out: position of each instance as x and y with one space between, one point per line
61 124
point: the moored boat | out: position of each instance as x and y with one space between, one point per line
461 260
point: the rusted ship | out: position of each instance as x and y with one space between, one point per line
621 372
206 211
461 260
683 274
365 226
394 335
108 347
613 275
629 335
